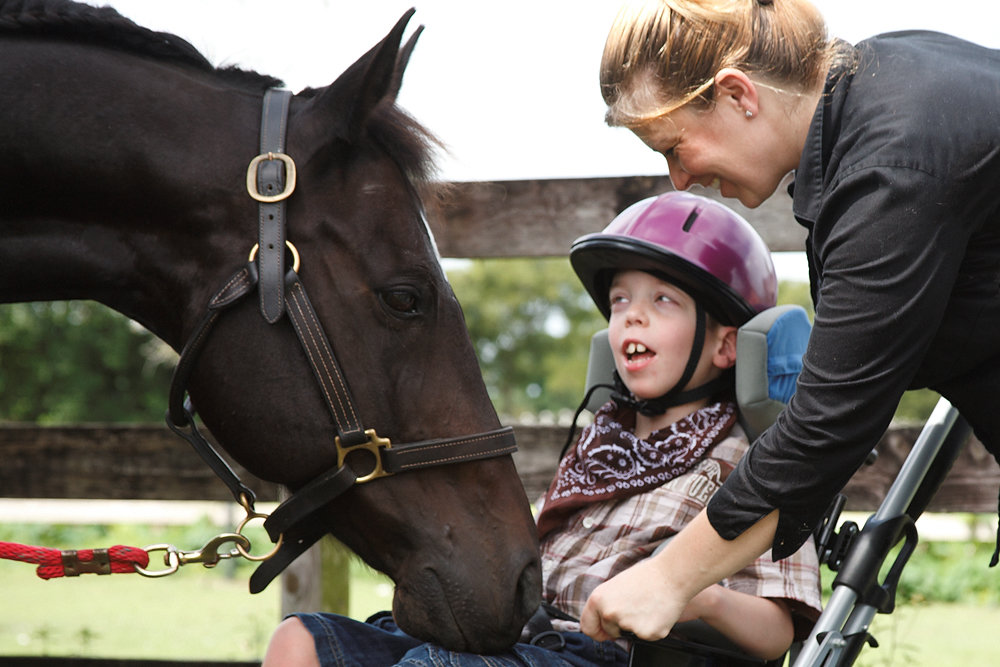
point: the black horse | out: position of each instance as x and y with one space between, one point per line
124 179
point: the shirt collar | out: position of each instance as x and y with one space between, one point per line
806 189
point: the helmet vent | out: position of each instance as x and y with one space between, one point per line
690 220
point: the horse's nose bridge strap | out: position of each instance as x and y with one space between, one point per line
450 450
271 175
299 519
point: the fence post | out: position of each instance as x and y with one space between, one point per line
318 580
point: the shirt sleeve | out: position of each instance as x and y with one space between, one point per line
888 244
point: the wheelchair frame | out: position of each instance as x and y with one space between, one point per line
842 630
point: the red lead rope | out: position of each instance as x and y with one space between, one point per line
54 563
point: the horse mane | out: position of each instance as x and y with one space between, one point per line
106 27
410 144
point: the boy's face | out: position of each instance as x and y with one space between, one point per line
651 331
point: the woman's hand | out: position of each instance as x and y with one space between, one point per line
651 596
760 626
639 600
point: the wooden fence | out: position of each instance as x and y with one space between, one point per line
499 219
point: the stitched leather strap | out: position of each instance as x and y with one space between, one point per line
299 519
271 229
415 455
326 370
295 544
180 413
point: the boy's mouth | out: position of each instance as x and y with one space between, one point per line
635 351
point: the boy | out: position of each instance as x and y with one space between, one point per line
675 275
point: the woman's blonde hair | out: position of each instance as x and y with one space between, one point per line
663 54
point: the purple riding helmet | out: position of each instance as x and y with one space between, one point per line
697 243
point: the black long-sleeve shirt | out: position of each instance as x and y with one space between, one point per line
899 187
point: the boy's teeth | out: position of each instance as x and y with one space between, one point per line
634 348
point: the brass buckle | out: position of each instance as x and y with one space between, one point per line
373 446
289 177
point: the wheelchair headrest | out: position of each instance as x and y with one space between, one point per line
769 351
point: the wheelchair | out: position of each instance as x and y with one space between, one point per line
771 346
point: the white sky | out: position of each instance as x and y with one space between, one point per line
511 86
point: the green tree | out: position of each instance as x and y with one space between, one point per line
530 321
79 361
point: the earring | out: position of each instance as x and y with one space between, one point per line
749 113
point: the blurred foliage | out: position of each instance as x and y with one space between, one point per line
944 571
529 319
79 361
950 572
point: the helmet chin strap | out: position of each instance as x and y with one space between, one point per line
653 407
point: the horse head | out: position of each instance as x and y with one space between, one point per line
141 204
457 539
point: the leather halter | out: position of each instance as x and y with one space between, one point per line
297 523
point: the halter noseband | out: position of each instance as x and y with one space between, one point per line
296 524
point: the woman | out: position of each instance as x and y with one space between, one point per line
895 145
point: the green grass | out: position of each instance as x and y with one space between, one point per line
948 605
209 615
935 635
197 613
189 615
194 614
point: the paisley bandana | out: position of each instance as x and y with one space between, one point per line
609 461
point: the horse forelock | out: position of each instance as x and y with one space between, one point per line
408 142
104 26
412 147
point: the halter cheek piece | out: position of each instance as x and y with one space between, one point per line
297 523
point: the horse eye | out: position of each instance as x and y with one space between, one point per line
401 300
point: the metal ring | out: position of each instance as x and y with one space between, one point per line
246 554
171 559
295 254
251 514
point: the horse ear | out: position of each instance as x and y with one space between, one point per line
402 60
348 102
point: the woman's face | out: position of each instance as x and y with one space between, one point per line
719 148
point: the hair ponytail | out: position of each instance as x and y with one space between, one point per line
663 54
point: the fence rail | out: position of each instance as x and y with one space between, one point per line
148 462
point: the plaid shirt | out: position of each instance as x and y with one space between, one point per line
607 537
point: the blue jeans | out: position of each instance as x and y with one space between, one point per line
344 642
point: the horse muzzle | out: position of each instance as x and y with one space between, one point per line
452 606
